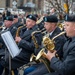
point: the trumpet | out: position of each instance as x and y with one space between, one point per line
49 45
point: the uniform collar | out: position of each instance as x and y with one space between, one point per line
51 33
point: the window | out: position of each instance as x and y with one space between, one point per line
34 1
7 3
28 1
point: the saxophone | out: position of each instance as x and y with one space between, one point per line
43 32
18 30
33 57
34 39
40 20
49 45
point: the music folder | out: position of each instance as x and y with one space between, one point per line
10 43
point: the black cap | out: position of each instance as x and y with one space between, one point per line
0 13
15 16
70 18
51 18
36 15
32 17
9 18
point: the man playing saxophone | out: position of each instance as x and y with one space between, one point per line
25 42
50 24
65 66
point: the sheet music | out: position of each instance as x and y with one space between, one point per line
10 43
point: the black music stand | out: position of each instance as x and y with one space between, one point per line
11 46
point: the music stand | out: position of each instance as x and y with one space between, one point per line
11 45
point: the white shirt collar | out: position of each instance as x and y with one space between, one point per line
51 33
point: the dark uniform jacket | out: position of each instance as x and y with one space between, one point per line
13 30
59 41
18 24
27 46
67 65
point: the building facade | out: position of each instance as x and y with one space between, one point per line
40 5
21 3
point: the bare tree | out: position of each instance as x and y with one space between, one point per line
62 6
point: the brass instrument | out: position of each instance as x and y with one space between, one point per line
48 44
43 31
18 31
39 21
61 26
34 39
2 28
33 57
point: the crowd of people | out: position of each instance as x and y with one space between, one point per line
61 61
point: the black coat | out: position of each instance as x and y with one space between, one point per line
59 41
67 65
18 24
27 46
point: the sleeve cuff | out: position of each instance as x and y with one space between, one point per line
21 42
54 60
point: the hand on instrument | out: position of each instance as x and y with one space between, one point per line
18 39
50 55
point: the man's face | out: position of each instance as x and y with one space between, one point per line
15 20
30 23
48 26
7 23
70 29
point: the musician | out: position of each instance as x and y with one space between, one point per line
8 23
50 24
53 11
16 21
1 20
8 27
21 18
25 42
66 66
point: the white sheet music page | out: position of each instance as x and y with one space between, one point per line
10 43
